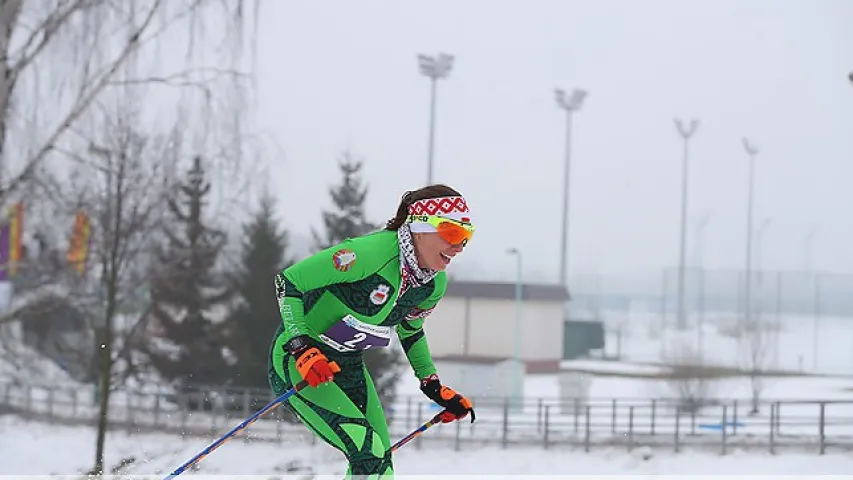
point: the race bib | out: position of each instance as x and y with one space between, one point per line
351 334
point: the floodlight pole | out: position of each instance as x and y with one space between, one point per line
752 152
569 104
435 68
686 132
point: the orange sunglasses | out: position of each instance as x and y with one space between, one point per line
453 231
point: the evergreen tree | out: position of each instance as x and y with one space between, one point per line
348 220
250 326
185 289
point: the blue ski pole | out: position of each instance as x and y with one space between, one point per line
245 423
408 438
418 431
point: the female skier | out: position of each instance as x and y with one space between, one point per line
348 298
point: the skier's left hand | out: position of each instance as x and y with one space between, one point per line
456 406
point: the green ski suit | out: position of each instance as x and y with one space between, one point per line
349 296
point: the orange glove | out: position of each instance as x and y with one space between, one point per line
456 407
315 368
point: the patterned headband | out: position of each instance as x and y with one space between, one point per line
446 206
455 208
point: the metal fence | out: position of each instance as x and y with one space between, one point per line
548 423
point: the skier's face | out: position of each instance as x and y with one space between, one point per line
433 251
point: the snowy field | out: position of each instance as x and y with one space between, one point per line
798 343
40 449
37 448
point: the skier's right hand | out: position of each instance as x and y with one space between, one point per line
314 367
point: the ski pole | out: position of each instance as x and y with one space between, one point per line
417 432
245 423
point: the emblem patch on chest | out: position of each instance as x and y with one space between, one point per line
379 295
343 259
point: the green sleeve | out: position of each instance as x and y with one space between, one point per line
411 332
349 261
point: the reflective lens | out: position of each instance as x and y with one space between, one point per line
454 233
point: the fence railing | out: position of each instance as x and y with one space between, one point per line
817 426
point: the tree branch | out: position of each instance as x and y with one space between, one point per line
81 105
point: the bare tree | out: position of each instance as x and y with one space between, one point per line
688 378
755 353
123 189
60 56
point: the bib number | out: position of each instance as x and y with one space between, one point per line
351 334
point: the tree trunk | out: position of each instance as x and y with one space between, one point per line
756 393
104 382
9 13
105 377
103 402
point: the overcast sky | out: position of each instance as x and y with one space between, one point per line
338 75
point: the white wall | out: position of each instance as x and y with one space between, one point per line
490 328
479 380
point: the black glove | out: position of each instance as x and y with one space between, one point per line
456 407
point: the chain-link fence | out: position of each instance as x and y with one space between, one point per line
772 293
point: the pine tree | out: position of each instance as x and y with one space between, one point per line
250 326
184 291
348 220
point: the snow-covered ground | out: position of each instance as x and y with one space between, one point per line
38 448
802 343
28 448
605 387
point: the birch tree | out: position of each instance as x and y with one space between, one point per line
59 57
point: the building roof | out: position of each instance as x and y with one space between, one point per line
471 359
505 290
530 366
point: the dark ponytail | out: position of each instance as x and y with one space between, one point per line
402 212
431 191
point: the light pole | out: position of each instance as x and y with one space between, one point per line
752 152
517 332
759 254
700 267
759 247
433 67
569 104
686 131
